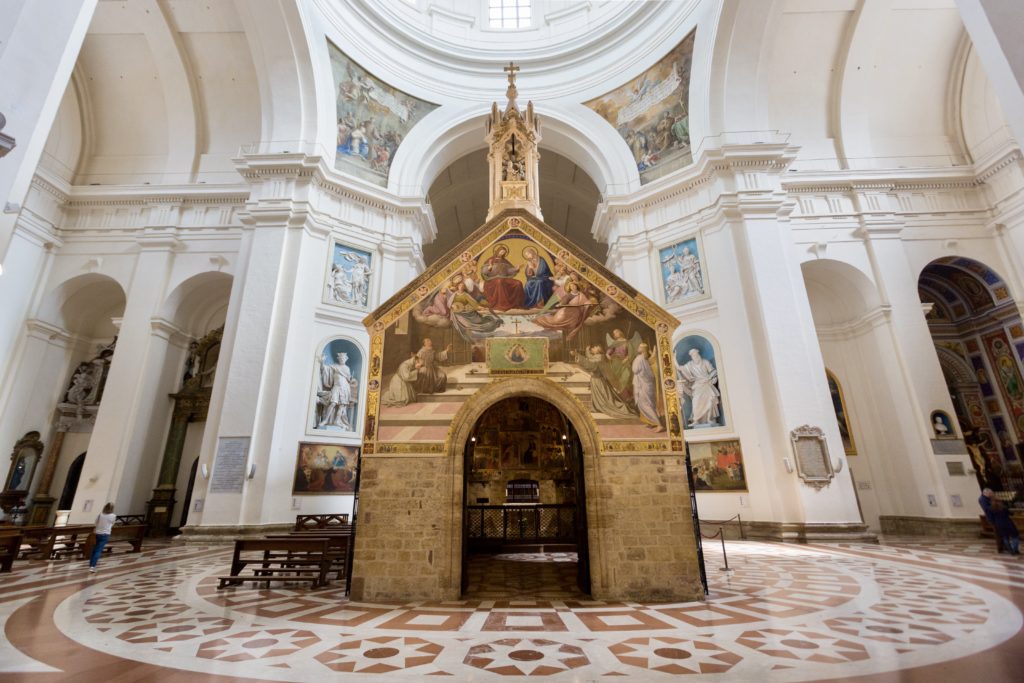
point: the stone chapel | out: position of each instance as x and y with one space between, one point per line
611 285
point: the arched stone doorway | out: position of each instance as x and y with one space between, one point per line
581 433
524 516
976 327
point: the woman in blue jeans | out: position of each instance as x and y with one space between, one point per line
104 523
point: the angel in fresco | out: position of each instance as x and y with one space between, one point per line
621 352
441 303
539 285
502 289
570 314
469 317
603 396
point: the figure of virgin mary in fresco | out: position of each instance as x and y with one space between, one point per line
539 285
502 289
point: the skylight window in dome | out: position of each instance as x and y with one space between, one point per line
510 13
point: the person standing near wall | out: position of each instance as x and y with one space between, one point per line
104 523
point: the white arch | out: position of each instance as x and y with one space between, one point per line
84 304
199 303
572 130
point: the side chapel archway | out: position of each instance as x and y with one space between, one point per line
979 339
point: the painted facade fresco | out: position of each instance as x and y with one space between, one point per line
1009 379
718 466
348 276
336 387
697 379
373 119
652 113
518 301
682 272
323 468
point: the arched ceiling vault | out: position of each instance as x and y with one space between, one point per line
168 91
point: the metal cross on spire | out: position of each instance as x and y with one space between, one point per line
511 93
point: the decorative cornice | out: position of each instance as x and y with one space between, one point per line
41 329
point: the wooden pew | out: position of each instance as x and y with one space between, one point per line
51 542
339 548
279 559
10 545
306 522
127 534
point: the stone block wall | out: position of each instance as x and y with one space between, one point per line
404 530
645 529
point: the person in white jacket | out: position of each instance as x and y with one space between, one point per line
104 523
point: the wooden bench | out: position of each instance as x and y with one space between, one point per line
51 542
305 522
339 548
10 545
129 520
279 559
127 534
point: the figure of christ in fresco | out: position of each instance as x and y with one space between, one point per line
621 352
570 313
502 289
603 396
645 389
467 317
539 285
432 379
402 388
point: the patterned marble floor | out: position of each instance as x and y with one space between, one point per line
903 611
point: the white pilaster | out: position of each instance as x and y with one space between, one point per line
36 61
791 373
131 424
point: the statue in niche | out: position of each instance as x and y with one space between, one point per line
193 362
698 379
201 362
514 167
82 384
336 398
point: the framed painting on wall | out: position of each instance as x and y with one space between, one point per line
718 466
683 271
348 279
325 469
